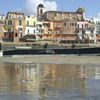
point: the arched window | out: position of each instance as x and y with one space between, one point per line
16 34
28 31
9 22
41 11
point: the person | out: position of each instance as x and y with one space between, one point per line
73 45
0 45
45 46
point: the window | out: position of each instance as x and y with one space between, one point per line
55 15
65 24
86 25
82 25
9 16
9 29
20 29
40 26
20 22
1 17
78 25
16 34
34 23
9 22
41 11
28 31
27 22
34 31
72 24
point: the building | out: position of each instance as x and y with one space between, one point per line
40 11
86 31
15 25
60 22
96 21
2 28
31 22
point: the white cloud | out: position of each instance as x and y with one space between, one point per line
32 5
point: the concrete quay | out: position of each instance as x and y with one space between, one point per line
91 60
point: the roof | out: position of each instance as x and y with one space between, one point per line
16 13
41 5
60 12
80 10
98 36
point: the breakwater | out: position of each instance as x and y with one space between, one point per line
37 48
52 51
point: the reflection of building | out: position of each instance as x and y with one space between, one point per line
47 80
15 25
19 77
60 76
97 73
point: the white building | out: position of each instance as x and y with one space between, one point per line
86 31
31 23
40 27
96 21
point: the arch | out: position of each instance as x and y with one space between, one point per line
41 11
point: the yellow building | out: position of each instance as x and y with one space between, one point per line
2 28
15 25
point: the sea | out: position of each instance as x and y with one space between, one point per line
32 81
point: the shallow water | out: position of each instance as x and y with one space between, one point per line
49 82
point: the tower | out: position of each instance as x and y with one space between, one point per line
40 11
81 11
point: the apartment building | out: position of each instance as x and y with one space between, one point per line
31 22
15 25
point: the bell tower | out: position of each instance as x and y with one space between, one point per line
40 11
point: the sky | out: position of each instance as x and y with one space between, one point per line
92 7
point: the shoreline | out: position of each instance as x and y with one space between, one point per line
53 59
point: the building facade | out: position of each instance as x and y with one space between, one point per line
31 23
86 31
2 27
96 21
15 25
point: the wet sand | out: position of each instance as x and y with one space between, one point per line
56 59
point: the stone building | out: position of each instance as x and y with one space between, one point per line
60 22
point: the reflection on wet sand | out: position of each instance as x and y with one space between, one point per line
50 81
